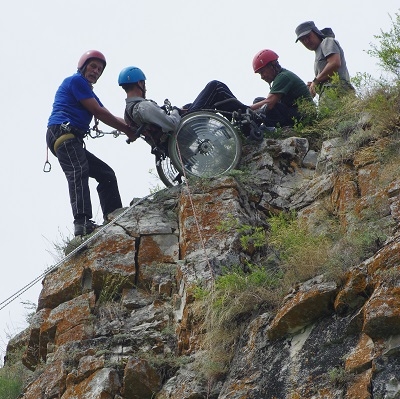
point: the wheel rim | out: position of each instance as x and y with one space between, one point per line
205 145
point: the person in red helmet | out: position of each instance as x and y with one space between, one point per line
279 108
287 90
74 106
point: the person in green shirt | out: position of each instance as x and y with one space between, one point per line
279 108
287 91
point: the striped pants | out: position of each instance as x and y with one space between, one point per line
79 165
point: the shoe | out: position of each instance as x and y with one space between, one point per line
84 227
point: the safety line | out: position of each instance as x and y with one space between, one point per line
16 295
194 213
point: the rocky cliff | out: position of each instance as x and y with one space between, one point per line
121 319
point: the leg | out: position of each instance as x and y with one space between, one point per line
281 115
108 191
213 92
74 163
258 99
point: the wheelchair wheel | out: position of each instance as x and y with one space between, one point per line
205 145
167 172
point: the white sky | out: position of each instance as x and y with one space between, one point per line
180 45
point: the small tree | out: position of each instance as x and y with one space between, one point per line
388 49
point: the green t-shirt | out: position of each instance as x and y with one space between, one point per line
291 87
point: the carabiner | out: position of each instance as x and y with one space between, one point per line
47 167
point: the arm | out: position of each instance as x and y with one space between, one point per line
333 63
107 117
271 101
150 112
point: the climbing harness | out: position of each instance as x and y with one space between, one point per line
62 139
16 295
69 134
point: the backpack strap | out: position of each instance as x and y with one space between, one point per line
128 118
151 133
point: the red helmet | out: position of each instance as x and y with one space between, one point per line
263 58
89 55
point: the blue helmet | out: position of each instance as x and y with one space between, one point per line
129 75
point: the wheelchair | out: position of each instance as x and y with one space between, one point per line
206 144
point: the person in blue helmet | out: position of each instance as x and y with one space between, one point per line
279 108
140 110
75 104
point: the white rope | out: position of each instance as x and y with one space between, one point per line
16 295
195 215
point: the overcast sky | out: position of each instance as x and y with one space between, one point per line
180 45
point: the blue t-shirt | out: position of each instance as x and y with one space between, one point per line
67 106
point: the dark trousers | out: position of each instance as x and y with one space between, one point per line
212 93
79 165
281 115
216 91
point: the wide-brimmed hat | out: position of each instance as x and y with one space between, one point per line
305 28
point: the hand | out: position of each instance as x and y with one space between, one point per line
180 110
132 134
131 138
262 110
312 89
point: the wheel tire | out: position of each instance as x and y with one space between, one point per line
167 172
205 145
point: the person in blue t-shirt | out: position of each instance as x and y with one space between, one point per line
74 106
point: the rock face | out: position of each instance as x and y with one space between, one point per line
116 321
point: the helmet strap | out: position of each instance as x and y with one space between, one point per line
142 89
277 68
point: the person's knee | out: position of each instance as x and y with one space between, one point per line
214 84
110 177
258 99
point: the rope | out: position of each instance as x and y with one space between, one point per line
16 295
194 214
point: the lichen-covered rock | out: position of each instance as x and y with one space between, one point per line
118 320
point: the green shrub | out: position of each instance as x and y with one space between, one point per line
10 385
388 49
112 287
339 377
250 236
301 251
236 296
13 375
